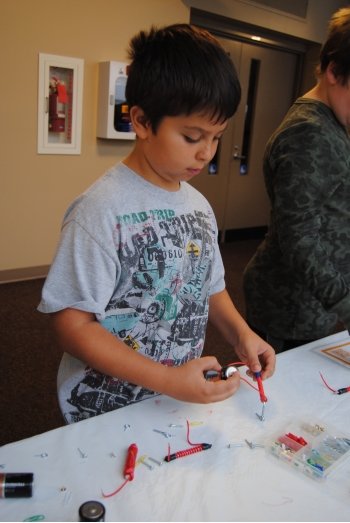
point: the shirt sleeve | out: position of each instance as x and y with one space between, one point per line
82 276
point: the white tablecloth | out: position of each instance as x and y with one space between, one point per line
220 484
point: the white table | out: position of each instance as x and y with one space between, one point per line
220 484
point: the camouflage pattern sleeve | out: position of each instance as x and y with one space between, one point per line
305 259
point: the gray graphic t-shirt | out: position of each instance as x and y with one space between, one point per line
144 261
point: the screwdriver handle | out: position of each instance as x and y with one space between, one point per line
259 381
129 467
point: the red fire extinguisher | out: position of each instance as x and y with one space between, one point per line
58 98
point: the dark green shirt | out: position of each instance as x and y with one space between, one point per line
297 285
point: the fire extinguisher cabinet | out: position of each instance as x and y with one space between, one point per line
60 99
113 119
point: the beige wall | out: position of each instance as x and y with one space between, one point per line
36 189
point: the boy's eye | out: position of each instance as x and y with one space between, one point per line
189 139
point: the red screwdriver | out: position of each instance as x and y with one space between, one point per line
263 397
129 469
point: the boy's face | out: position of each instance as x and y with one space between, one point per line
181 148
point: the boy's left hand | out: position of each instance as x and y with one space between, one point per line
250 348
257 353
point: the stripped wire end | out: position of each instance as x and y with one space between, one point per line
262 415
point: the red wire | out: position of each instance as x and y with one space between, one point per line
188 434
328 387
115 491
129 469
196 447
188 452
243 379
250 384
188 440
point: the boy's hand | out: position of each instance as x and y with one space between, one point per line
249 347
258 354
187 382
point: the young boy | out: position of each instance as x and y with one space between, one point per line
138 269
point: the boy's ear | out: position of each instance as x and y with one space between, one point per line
331 77
139 121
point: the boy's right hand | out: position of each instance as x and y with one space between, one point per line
187 382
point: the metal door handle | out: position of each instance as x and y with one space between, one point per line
237 156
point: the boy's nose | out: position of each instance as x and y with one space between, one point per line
205 153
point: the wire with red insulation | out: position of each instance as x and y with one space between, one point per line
335 391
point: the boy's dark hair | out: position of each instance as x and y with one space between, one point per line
181 69
336 48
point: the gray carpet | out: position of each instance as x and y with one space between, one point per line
29 358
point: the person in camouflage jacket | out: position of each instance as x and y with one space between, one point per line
297 285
